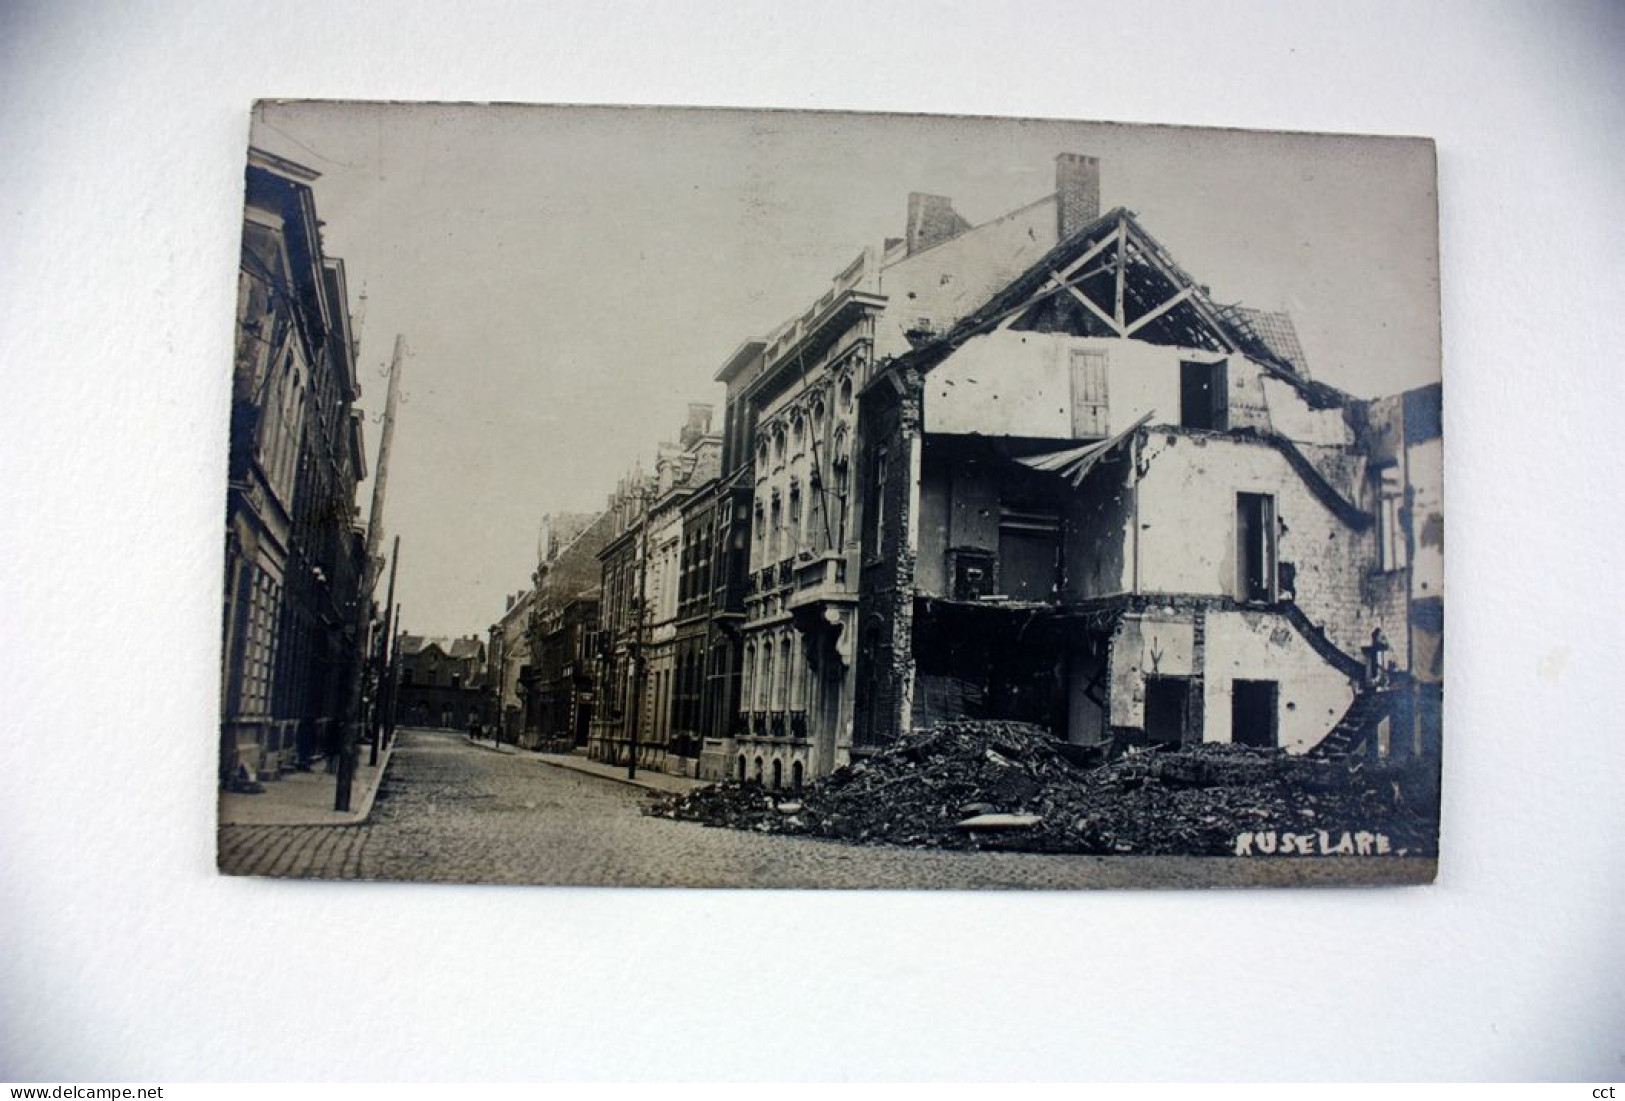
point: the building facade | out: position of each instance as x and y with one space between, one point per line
295 558
443 684
799 401
1103 503
511 671
642 584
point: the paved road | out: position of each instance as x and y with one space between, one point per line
453 812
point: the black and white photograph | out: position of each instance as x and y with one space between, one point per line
721 543
676 497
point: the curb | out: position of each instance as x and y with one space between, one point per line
612 779
384 757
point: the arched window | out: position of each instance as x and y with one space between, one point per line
741 773
796 775
749 685
846 395
765 688
781 686
778 443
778 774
758 770
818 417
798 434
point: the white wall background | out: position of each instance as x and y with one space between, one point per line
122 955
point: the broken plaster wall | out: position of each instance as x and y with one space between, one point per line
1236 644
930 290
1263 646
1187 517
1019 384
1424 463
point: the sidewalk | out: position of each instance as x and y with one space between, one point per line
306 798
647 779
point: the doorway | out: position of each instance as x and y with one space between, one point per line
1167 710
1253 713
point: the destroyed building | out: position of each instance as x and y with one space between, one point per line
1031 471
794 397
1106 504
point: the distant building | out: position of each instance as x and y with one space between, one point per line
443 683
509 659
294 562
564 634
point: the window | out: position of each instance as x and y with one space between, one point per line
1204 398
1088 393
1392 551
781 686
795 512
875 507
846 395
798 434
1255 547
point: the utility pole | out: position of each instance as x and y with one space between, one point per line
363 609
381 699
394 678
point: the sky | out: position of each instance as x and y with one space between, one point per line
568 279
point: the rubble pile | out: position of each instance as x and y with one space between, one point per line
1013 787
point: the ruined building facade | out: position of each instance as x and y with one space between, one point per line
1026 470
1103 503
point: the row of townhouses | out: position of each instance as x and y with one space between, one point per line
1025 470
295 556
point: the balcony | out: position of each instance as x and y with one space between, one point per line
821 578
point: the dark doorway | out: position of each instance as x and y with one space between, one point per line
1204 400
1167 710
1252 713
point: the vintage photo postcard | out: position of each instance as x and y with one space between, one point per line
775 499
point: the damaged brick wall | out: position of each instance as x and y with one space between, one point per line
889 434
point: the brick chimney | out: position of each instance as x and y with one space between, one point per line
1077 192
697 424
932 220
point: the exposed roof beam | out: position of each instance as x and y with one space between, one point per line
1151 315
1105 317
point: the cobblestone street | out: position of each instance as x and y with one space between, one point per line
450 811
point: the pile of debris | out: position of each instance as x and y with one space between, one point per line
1015 787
